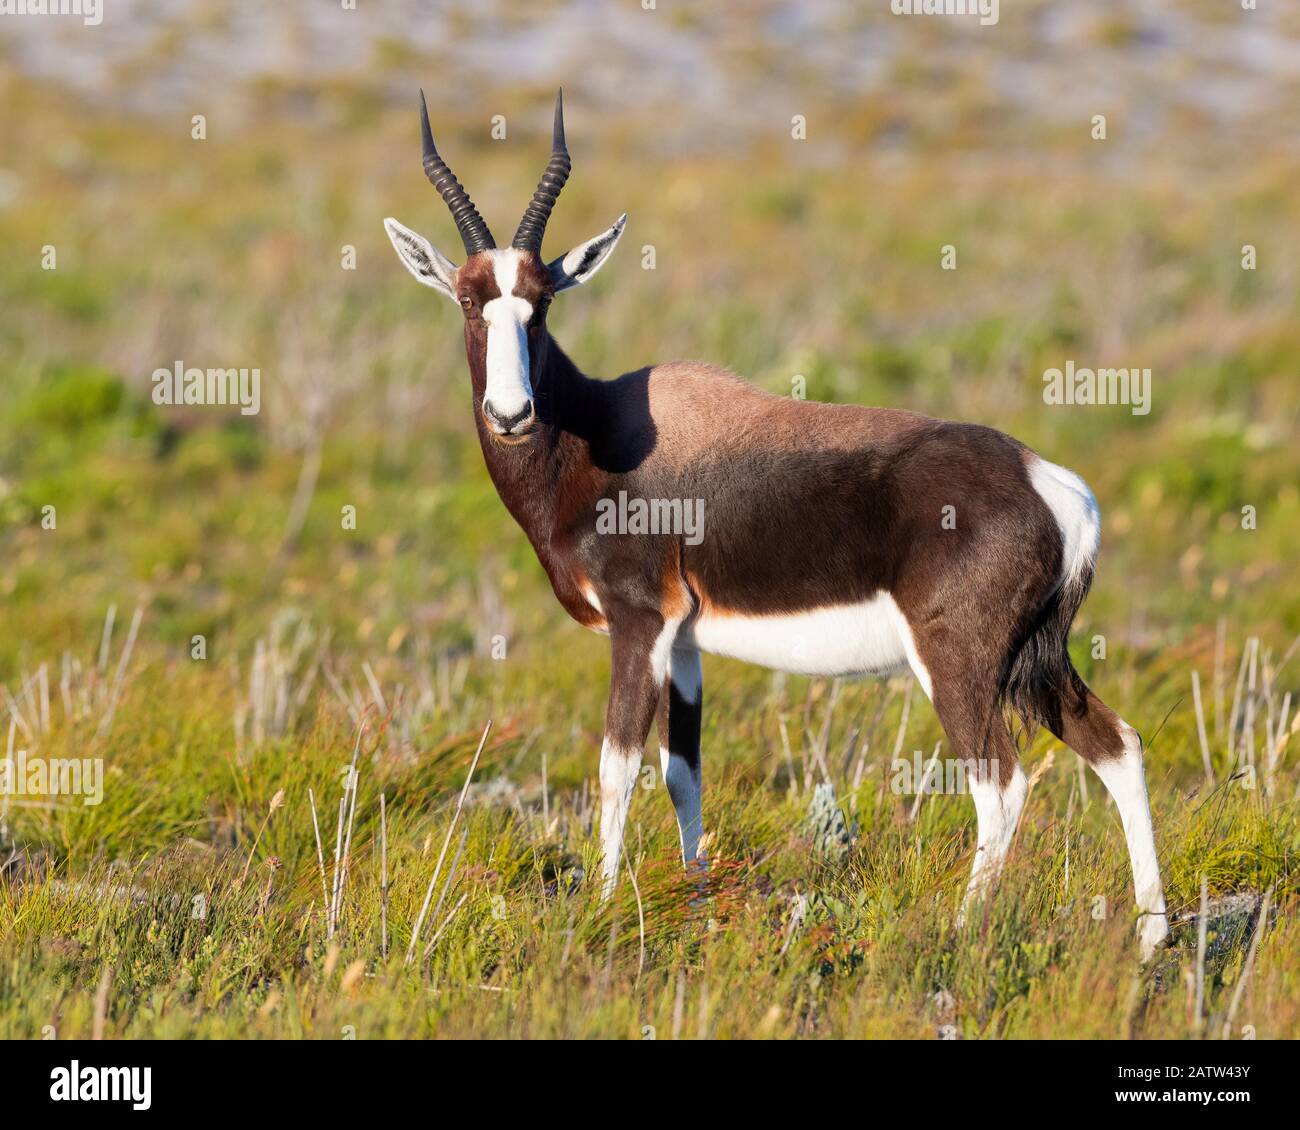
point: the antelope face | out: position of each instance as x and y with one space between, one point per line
504 293
504 296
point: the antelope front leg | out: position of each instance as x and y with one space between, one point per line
640 647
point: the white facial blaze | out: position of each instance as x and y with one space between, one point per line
509 390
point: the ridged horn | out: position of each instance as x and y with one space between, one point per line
533 226
473 231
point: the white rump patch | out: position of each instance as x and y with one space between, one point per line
872 638
1076 513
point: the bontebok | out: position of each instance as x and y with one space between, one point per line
829 540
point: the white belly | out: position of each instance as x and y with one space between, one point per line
871 638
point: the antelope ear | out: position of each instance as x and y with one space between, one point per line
422 259
585 259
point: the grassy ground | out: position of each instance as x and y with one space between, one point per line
189 902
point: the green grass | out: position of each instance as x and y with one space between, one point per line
533 952
185 515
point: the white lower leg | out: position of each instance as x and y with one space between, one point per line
997 811
1125 780
618 772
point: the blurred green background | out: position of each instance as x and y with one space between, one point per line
773 256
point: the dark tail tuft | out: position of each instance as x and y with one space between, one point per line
1039 680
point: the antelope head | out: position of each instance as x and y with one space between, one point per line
504 293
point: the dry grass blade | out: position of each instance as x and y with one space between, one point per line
340 848
1252 700
1236 704
789 756
1040 770
1200 730
100 1020
1220 646
9 769
640 917
1278 746
105 638
923 782
441 929
320 859
119 677
1202 923
383 877
450 881
902 723
347 851
338 859
276 802
428 895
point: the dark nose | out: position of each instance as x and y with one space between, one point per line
507 423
